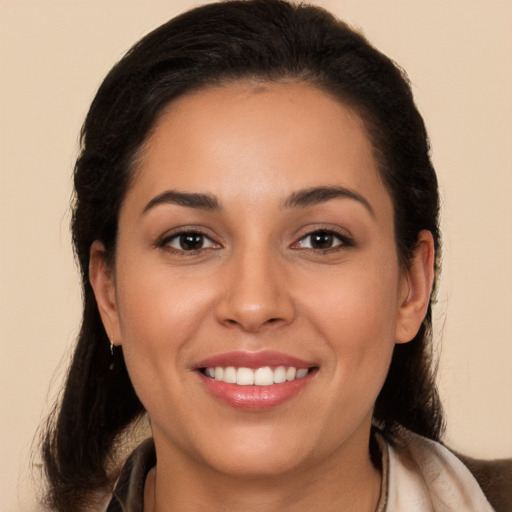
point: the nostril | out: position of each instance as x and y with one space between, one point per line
248 325
231 321
252 310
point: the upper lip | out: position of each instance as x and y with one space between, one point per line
253 360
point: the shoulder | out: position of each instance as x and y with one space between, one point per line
428 475
495 479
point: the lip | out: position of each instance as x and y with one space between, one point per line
255 398
254 360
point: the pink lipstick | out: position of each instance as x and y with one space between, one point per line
255 380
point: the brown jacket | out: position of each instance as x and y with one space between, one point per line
495 479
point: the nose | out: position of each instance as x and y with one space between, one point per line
255 295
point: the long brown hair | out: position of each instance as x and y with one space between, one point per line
215 43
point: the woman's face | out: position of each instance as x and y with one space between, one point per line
257 234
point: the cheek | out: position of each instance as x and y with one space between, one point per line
358 307
355 313
156 306
159 314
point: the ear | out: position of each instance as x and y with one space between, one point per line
416 288
102 281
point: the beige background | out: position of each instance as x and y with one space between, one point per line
458 54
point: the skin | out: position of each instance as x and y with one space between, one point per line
257 284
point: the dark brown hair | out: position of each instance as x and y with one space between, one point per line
268 40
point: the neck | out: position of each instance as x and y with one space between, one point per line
345 481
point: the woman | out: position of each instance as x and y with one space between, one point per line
256 222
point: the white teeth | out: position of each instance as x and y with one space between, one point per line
245 377
219 373
280 375
300 373
230 375
290 373
264 376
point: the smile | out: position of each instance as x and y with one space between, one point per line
255 381
264 376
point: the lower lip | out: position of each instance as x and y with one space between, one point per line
255 397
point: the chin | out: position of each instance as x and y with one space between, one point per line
263 452
258 464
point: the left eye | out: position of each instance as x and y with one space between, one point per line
190 241
321 240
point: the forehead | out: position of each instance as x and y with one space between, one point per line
275 137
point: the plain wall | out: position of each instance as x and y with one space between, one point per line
54 54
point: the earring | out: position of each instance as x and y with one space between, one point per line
112 361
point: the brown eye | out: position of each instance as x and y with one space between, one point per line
189 242
323 240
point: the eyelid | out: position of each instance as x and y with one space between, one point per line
165 241
345 240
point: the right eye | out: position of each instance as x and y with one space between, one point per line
189 242
323 240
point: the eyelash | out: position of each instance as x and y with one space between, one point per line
344 242
165 243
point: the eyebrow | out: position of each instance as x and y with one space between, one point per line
317 195
188 199
301 198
